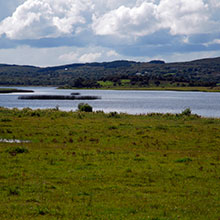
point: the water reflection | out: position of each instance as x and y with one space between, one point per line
11 141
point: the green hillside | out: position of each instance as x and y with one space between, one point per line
205 72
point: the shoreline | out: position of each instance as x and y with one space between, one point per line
178 89
10 90
115 113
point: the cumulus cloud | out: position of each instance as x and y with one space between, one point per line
118 29
179 17
215 3
80 58
35 19
52 56
93 54
76 57
45 18
112 53
213 42
183 16
217 41
69 57
126 21
89 57
26 55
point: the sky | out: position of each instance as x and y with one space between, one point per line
57 32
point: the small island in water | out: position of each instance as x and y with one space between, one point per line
73 96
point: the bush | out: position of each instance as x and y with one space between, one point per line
14 191
184 160
17 150
84 107
186 112
113 115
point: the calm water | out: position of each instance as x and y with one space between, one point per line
133 102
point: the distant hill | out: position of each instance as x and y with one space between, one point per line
204 72
157 61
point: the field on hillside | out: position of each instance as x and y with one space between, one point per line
75 165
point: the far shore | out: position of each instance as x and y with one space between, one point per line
159 88
181 89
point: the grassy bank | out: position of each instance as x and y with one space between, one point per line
186 89
108 166
153 88
9 90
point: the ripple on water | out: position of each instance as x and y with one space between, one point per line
13 141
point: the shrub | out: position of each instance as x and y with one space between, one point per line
113 115
184 160
42 210
35 113
186 112
17 150
84 107
14 191
5 120
57 107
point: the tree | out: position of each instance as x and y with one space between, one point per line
84 107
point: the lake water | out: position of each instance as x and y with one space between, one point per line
132 102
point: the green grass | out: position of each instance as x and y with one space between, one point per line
184 89
125 82
125 85
108 166
105 83
169 74
9 90
110 84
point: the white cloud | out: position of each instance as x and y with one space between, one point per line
125 21
215 3
112 53
45 18
35 19
180 17
105 30
189 56
25 55
89 57
183 16
93 54
215 41
69 57
66 55
78 57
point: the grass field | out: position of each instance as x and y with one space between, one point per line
108 166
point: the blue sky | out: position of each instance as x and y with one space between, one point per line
55 32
